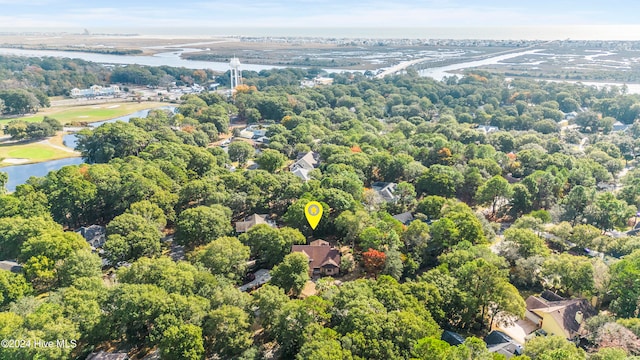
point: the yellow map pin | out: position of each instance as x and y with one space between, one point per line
313 213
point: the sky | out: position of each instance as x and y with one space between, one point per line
18 15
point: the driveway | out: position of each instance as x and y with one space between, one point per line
519 330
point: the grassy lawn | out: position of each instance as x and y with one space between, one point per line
88 113
32 152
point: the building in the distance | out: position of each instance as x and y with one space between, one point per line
96 90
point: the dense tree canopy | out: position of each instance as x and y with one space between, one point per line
421 257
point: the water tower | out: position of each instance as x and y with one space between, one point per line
236 74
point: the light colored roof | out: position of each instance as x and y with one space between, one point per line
405 217
307 161
251 221
10 266
302 174
319 242
385 190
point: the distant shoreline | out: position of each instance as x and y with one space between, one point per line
557 32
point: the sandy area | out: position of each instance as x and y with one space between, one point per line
149 44
15 161
113 106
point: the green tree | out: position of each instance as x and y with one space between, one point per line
492 191
111 140
552 347
130 237
270 245
292 273
227 332
150 212
269 300
14 231
271 160
521 200
40 255
294 319
81 263
182 342
322 343
71 196
576 202
431 206
12 287
240 151
625 287
527 243
572 275
224 256
202 224
608 212
444 233
140 313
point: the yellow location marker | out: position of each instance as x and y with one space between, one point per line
313 213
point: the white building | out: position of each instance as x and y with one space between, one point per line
96 90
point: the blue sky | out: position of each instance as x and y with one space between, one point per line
19 14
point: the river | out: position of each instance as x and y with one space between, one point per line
19 174
439 73
171 58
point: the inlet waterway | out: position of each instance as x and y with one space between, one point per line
165 58
19 174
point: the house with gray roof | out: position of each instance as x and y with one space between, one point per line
304 165
95 235
253 220
386 190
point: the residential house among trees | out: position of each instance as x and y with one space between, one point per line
557 315
385 190
253 220
324 259
304 165
95 235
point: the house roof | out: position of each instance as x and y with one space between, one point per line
452 338
319 242
94 234
10 266
405 217
563 311
319 256
497 337
385 190
251 221
307 161
508 349
302 173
